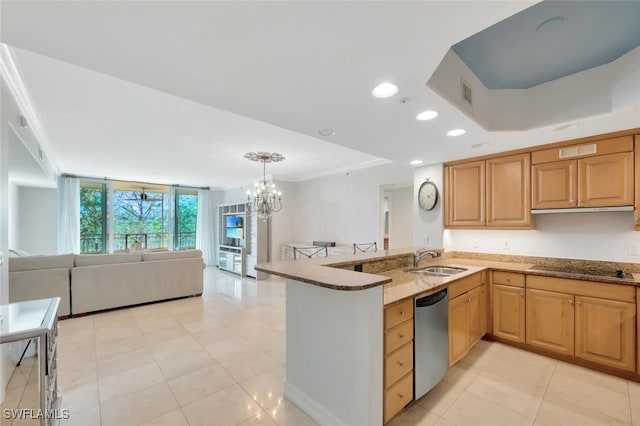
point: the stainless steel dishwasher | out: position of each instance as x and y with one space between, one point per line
431 340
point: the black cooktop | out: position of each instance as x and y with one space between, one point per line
619 274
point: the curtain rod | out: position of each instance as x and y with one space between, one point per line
69 175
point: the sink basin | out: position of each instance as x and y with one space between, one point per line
438 271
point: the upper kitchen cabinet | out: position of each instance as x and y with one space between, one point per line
488 193
596 173
465 195
508 191
637 192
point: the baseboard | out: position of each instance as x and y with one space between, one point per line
311 407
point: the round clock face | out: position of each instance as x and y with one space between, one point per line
428 196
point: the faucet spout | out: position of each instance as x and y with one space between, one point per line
421 253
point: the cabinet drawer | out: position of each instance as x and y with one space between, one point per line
398 336
397 313
508 278
621 292
397 364
465 284
396 397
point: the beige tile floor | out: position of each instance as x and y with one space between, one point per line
219 360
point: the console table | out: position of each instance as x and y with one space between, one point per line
37 320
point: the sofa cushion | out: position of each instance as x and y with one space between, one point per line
32 263
168 255
106 259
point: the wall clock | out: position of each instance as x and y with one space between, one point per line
428 195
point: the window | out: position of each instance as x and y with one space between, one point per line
93 217
186 211
124 216
140 217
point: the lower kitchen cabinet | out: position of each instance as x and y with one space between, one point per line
467 316
638 324
592 321
508 306
606 332
550 321
398 357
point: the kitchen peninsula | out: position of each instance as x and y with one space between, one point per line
336 317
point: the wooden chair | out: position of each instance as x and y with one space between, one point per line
363 247
309 252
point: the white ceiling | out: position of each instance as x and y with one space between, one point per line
185 88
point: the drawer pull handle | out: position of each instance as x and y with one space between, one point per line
508 279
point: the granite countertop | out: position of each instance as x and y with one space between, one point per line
336 272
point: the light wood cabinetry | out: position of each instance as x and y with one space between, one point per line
508 191
489 193
554 185
606 332
550 320
465 195
638 329
593 174
592 321
637 185
467 315
508 306
398 357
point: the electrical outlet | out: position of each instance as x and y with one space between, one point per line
506 245
426 239
476 244
634 250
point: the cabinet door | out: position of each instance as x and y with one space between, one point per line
638 328
458 330
554 185
606 180
465 195
475 316
509 191
508 313
637 195
605 332
550 320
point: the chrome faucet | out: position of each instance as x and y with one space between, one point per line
420 253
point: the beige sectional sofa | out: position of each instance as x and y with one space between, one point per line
97 282
41 277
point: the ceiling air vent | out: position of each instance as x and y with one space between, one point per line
466 92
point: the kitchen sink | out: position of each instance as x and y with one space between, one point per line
438 271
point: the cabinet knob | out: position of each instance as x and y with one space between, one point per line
521 294
468 300
401 336
578 303
508 279
401 396
570 302
401 313
401 364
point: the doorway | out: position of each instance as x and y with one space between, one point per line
397 215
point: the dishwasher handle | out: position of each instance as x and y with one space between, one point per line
431 299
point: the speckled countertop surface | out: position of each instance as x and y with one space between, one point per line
336 272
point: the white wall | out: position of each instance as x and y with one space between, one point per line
428 225
401 218
13 216
7 106
345 208
589 236
38 224
282 223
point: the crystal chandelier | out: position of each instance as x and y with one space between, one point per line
266 198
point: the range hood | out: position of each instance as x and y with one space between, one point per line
584 210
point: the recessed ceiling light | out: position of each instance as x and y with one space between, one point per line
569 126
326 132
480 145
384 90
416 162
427 115
456 132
